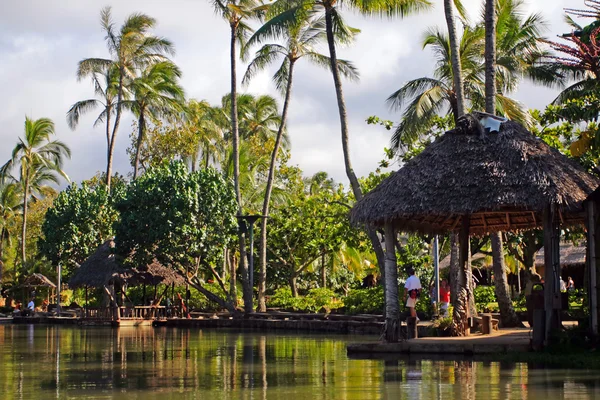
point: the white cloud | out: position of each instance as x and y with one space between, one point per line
41 42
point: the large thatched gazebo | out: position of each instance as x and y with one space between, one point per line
478 182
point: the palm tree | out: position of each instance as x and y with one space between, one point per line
300 40
520 47
209 134
156 94
10 205
236 13
105 81
131 48
38 160
455 58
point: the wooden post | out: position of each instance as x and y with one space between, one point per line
392 310
486 324
552 265
591 263
411 328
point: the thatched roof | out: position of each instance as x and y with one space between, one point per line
103 267
36 279
156 273
569 255
504 180
100 269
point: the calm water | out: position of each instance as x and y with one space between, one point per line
39 362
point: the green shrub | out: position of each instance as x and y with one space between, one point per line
484 295
364 301
316 300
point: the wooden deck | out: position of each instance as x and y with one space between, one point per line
502 341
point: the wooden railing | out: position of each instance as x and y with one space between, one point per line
135 312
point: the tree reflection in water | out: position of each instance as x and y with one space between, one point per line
61 362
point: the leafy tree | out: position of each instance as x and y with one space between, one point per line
183 220
39 161
79 221
131 48
302 231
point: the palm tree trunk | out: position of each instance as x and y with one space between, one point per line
108 145
24 225
345 139
490 56
111 149
247 289
262 281
140 139
392 310
507 314
455 58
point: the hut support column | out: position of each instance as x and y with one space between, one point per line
552 270
591 264
392 310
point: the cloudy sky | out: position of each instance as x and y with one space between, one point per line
41 42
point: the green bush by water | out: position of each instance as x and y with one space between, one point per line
319 299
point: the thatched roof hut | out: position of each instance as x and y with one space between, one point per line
156 273
37 280
103 267
503 180
570 255
100 269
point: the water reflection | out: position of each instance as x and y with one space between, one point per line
61 362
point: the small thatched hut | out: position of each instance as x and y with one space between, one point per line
477 181
100 269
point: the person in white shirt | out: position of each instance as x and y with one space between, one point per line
412 288
31 306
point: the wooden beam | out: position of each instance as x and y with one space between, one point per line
456 223
533 216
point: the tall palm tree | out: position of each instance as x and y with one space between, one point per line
236 13
10 205
156 94
457 78
520 47
507 313
131 48
105 81
39 161
300 39
334 28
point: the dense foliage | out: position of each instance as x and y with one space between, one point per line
177 217
80 220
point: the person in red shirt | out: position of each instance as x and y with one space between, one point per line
444 297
